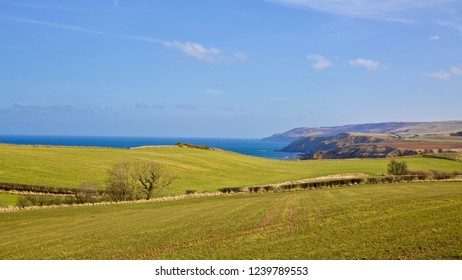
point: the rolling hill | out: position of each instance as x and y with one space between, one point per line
406 129
197 169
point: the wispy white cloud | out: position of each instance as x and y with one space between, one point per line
456 71
320 61
40 6
80 29
441 75
370 65
192 49
434 38
206 54
196 50
242 57
409 11
58 6
446 75
212 91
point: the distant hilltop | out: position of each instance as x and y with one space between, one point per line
406 129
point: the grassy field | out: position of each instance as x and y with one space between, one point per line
438 138
8 199
393 221
201 170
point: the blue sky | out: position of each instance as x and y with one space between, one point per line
216 68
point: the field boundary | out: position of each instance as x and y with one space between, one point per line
296 185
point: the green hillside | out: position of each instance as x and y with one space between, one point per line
201 170
393 221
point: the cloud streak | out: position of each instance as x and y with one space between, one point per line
196 50
407 11
188 48
370 65
320 61
446 75
80 29
213 92
205 54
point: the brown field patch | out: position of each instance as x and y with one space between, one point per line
421 145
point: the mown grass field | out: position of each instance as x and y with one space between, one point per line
201 170
392 221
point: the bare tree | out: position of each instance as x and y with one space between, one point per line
120 184
88 192
129 180
151 177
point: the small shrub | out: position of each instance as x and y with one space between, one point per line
186 145
254 189
226 190
441 175
231 190
420 174
22 202
397 168
88 192
190 192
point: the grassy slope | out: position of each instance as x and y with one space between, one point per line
196 169
395 221
436 138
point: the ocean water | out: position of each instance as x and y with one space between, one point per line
253 147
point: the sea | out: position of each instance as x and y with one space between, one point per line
252 147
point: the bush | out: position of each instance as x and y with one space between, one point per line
254 189
186 145
420 174
36 188
189 192
43 200
231 190
88 192
441 175
397 168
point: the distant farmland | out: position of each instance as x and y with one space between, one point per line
410 145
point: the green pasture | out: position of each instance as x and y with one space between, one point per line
201 170
392 221
8 199
435 138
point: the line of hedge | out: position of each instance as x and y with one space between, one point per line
44 189
414 176
44 200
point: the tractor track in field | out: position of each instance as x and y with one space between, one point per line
263 225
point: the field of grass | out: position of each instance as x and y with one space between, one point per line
8 199
437 138
393 221
201 170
